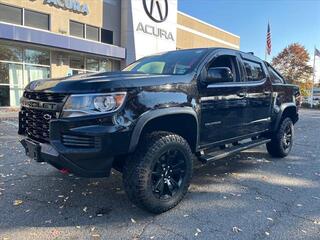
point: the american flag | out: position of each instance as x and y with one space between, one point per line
317 52
268 47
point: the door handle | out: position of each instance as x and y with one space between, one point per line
241 94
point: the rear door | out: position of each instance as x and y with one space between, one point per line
259 95
222 104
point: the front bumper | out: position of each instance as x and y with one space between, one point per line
86 147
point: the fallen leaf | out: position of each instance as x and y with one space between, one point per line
17 202
267 233
85 209
236 229
270 219
303 231
78 227
299 205
197 232
186 215
289 189
133 221
316 222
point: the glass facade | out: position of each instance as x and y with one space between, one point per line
18 67
87 64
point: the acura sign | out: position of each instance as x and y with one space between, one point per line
71 5
157 10
148 27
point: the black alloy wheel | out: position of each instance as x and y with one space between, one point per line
158 175
282 140
168 174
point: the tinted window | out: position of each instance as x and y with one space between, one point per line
92 33
172 63
36 19
106 36
4 96
10 14
275 77
254 71
229 62
77 29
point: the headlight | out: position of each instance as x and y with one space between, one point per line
85 104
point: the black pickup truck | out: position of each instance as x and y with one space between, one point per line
150 120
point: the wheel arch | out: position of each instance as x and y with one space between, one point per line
180 120
286 110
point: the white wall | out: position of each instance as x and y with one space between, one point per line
142 36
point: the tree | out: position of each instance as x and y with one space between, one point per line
293 63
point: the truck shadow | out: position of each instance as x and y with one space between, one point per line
56 200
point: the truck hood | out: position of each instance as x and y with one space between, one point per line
104 82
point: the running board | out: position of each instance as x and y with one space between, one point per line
232 150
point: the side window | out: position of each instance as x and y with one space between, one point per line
254 71
229 62
275 77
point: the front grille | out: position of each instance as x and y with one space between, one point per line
78 141
36 123
45 97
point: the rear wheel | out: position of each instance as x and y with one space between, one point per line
157 177
282 140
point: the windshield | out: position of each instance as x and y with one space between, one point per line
171 63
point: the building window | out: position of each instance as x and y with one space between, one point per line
36 20
92 65
77 29
254 71
106 36
106 65
10 14
10 53
77 62
38 57
92 33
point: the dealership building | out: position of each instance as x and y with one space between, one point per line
57 38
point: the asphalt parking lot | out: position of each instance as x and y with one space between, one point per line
248 196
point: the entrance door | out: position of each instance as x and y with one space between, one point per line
223 104
11 84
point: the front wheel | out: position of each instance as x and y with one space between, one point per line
158 175
282 140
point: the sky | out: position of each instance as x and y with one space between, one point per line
290 20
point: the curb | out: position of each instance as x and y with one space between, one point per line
8 119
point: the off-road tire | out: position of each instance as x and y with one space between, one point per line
138 171
277 147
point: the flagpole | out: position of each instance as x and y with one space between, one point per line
314 75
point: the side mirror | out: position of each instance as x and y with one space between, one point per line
218 75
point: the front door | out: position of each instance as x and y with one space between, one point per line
222 104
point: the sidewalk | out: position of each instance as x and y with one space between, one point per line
8 114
